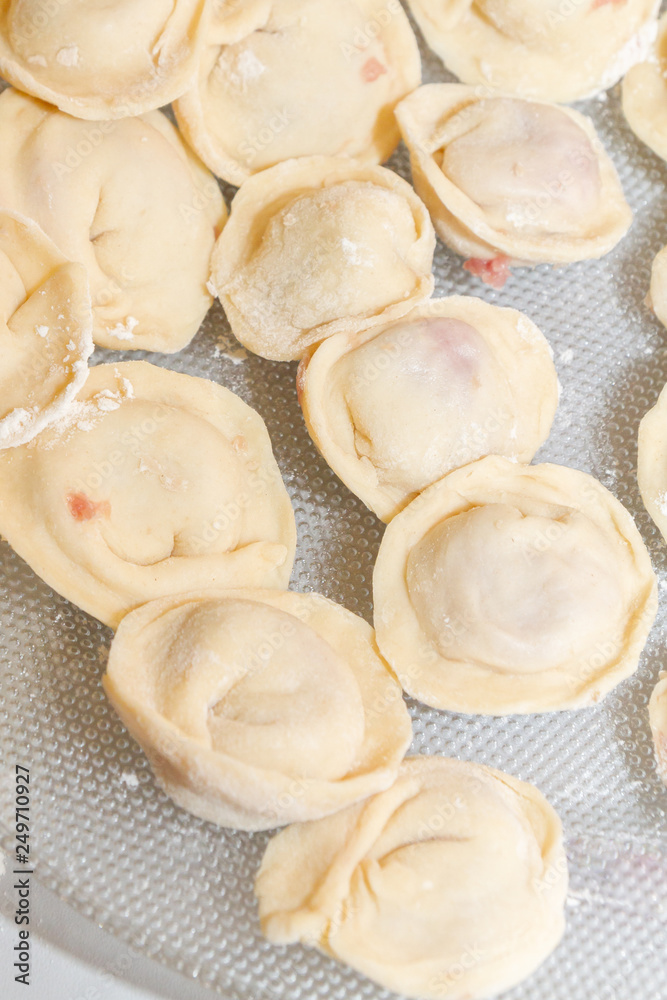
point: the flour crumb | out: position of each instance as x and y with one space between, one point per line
107 400
43 331
248 68
68 56
15 423
130 780
125 331
567 356
227 347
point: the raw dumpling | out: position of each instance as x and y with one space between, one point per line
645 95
152 483
258 708
657 297
317 246
513 588
395 408
45 336
129 201
658 716
271 68
652 462
523 181
96 59
450 884
539 48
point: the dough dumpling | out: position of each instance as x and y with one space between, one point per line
645 95
45 330
285 78
542 49
503 178
657 297
451 884
96 59
258 708
652 462
658 716
318 246
129 201
509 588
397 407
151 483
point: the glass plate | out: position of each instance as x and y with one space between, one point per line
180 890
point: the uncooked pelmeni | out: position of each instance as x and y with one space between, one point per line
657 297
45 332
520 181
96 59
129 201
268 73
317 246
513 588
451 884
546 49
652 462
658 717
258 708
645 95
151 483
397 407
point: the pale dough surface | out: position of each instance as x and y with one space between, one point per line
285 78
645 95
128 200
150 484
652 462
451 884
320 245
258 708
95 59
542 49
45 330
658 717
657 297
398 406
509 588
503 176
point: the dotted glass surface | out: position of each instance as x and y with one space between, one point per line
180 890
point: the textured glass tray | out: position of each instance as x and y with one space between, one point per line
180 890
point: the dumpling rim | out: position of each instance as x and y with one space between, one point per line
100 108
191 116
227 778
461 224
265 194
436 680
83 339
316 399
347 837
574 80
98 595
